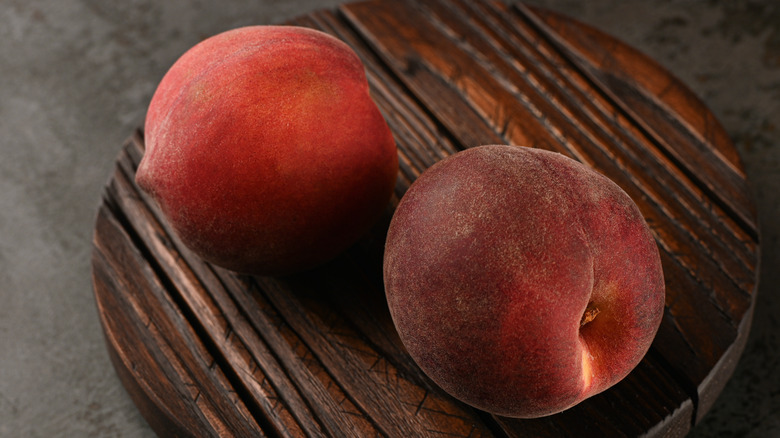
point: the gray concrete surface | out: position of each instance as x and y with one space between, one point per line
75 79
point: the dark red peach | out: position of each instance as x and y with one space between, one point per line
521 281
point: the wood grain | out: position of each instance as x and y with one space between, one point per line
207 352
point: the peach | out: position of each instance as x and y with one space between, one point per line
266 151
521 281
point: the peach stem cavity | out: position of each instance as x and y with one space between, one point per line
590 314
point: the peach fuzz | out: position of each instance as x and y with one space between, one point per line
265 150
521 281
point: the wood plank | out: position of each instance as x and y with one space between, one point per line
687 130
168 358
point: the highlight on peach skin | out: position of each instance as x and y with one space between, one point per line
521 281
265 150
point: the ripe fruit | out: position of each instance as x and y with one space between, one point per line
265 150
521 281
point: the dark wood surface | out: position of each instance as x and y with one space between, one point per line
206 352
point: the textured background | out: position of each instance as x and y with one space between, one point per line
76 77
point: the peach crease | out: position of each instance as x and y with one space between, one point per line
587 367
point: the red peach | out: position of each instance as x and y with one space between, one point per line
521 281
265 150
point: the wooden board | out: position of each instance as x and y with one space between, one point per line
206 352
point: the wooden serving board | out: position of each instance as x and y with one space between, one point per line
206 352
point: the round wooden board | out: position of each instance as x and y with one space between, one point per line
207 352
